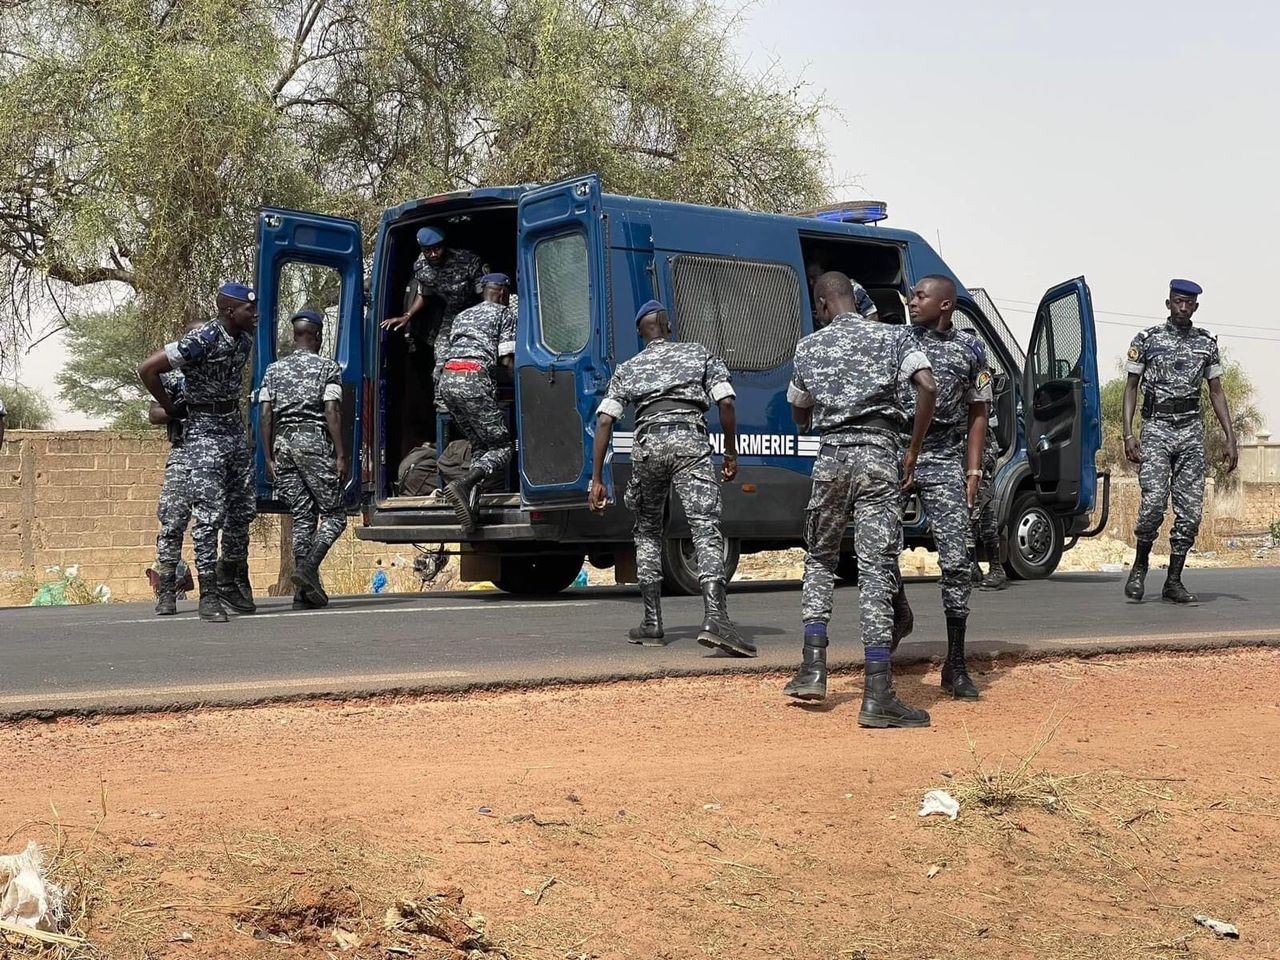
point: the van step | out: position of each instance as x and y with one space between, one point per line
437 502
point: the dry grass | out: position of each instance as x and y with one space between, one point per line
1003 787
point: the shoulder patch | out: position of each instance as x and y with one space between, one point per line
984 379
208 333
1134 353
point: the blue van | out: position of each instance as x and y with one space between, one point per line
736 281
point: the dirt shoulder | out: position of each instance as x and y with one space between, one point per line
682 818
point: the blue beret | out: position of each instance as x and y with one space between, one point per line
1186 287
653 306
499 279
430 237
237 291
307 316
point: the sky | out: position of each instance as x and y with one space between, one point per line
1130 142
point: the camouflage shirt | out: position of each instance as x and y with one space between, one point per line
959 361
852 369
485 332
212 358
667 370
298 386
453 279
175 385
1173 360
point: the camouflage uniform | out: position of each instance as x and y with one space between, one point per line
959 361
176 494
481 336
849 372
672 385
213 360
453 280
298 386
1172 362
986 527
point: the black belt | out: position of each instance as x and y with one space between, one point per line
671 427
668 406
875 420
295 427
1174 407
219 408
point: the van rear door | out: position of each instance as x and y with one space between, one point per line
562 340
307 260
1062 399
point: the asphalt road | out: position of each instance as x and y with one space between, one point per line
121 657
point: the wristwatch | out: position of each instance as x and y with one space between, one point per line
973 473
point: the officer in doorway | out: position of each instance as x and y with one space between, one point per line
845 385
448 274
672 385
176 493
1170 361
213 359
301 418
482 339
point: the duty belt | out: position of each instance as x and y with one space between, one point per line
667 406
465 366
302 425
1175 407
219 408
875 420
671 426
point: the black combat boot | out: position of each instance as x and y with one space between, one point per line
1174 591
904 621
649 633
300 601
717 630
955 675
810 681
210 605
167 594
975 571
233 586
880 705
995 578
306 582
462 495
1136 585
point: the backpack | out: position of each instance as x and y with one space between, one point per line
418 475
455 461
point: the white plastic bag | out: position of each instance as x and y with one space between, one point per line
939 801
26 897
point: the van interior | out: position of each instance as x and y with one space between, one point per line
876 264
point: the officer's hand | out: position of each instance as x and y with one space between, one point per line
599 496
730 468
972 490
271 469
1231 457
908 471
394 323
341 465
1133 450
175 411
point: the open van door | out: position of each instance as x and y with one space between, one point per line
307 260
562 340
1062 399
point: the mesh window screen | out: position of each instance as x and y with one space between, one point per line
963 321
564 296
748 313
1058 353
996 322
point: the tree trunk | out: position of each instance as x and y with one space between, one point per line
283 586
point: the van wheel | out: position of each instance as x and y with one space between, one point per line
538 576
1036 539
847 568
680 566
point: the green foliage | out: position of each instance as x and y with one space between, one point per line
25 408
100 376
1245 418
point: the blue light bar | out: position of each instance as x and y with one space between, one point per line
854 211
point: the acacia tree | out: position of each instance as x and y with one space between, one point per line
25 408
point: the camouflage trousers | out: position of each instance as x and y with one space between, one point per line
985 527
941 488
307 479
173 510
471 399
860 482
669 457
439 345
1173 461
222 483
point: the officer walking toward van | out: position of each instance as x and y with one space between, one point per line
672 385
301 419
950 470
449 274
1170 361
213 359
483 338
845 386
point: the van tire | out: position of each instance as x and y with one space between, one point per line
680 566
1036 539
538 575
847 568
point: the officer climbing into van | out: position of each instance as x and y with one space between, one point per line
1170 361
845 386
985 527
862 300
447 273
950 470
672 385
301 419
482 339
213 359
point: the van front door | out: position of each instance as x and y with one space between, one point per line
310 261
1062 399
562 340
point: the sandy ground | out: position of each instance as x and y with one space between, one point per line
679 819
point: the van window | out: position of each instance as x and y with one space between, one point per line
307 286
746 311
1059 349
564 295
964 320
